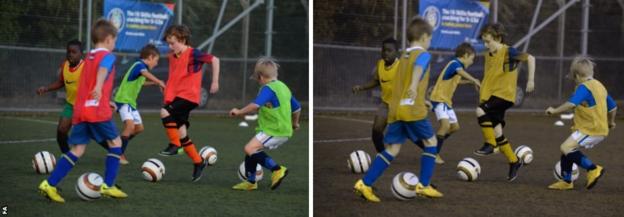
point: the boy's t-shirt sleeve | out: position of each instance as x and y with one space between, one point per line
611 103
108 62
517 55
581 94
265 96
294 105
136 72
423 61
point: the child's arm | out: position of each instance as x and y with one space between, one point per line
214 87
369 85
58 84
96 93
152 79
531 73
296 112
562 108
468 77
419 69
251 107
612 107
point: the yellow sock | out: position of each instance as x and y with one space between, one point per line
506 150
488 133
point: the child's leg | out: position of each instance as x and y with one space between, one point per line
381 163
504 145
112 161
427 160
126 133
442 133
487 127
62 131
379 126
188 146
171 127
66 162
571 149
566 148
252 158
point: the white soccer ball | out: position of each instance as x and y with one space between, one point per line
243 176
404 186
524 153
88 186
359 161
209 154
468 169
153 170
559 176
43 162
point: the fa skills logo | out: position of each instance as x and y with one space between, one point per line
432 16
117 17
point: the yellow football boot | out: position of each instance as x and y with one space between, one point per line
561 185
365 191
245 186
593 176
278 176
427 191
113 192
50 192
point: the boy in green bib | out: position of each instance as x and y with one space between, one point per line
278 116
137 76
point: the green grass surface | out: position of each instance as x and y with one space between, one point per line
175 194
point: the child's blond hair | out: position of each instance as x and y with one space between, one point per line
583 66
266 67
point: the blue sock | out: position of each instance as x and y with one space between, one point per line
124 143
381 163
112 165
581 160
266 161
566 169
440 142
427 164
65 164
250 168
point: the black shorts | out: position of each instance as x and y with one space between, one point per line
495 109
180 109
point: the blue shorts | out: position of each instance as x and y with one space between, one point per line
83 132
398 131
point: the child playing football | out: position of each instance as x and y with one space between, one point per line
591 104
68 76
442 95
407 116
278 116
129 90
92 118
183 91
384 73
498 93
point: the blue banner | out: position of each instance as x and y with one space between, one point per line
455 21
139 23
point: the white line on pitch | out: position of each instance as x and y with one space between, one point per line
28 141
341 140
344 119
31 120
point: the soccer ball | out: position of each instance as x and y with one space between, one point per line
559 176
524 153
468 169
359 161
404 186
153 170
43 162
209 154
243 176
88 186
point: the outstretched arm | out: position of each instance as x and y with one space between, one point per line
562 108
58 84
468 77
153 79
531 73
214 87
369 85
251 107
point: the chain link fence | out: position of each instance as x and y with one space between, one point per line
348 39
34 34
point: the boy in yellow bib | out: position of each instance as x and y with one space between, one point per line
498 93
591 104
69 75
407 116
453 74
384 74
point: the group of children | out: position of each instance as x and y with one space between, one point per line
89 107
404 77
